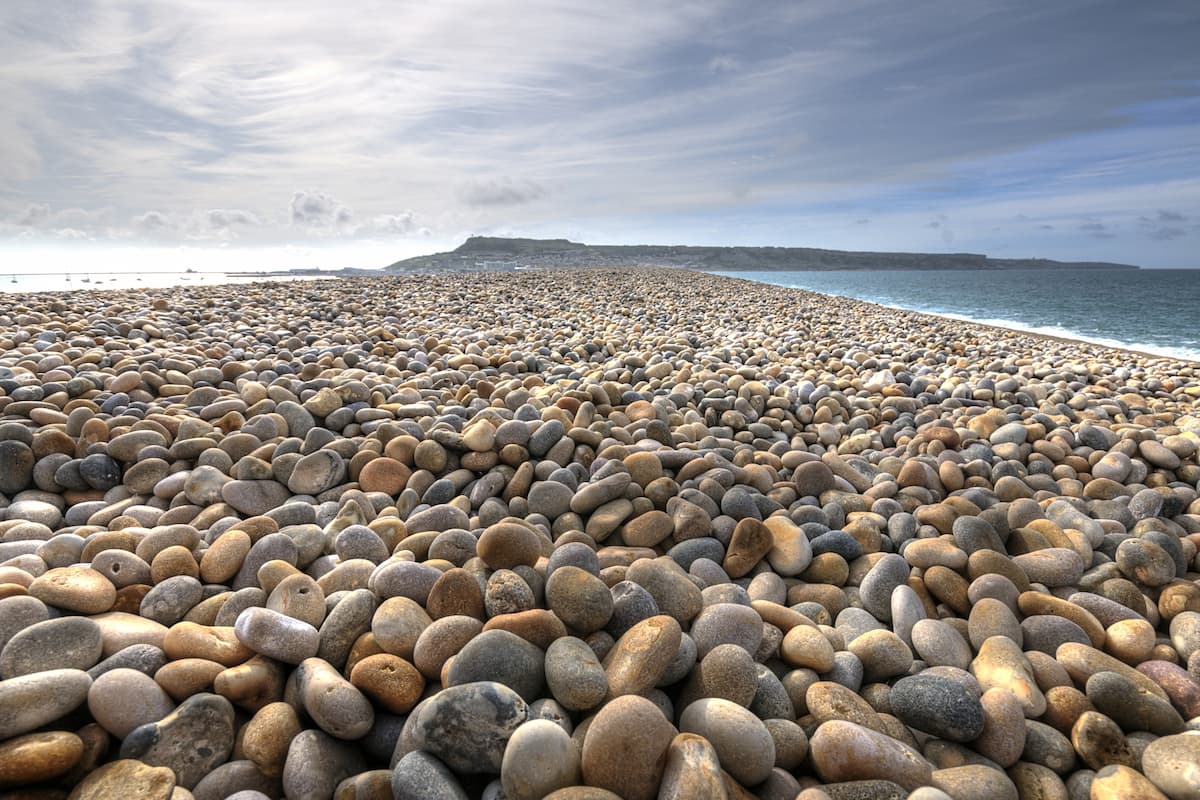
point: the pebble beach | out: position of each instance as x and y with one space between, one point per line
587 534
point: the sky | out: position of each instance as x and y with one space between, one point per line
225 134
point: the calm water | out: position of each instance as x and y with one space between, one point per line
1151 310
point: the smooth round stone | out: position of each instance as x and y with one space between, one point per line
631 605
938 706
939 644
389 681
1172 763
1003 736
335 704
243 777
641 657
468 726
30 701
975 782
1099 741
1121 782
727 623
806 646
727 672
1000 664
508 544
813 478
419 774
624 749
266 737
692 769
37 757
1119 698
502 657
574 675
316 472
18 613
827 701
404 579
277 636
1045 633
1185 633
1052 567
842 751
255 497
397 624
539 758
122 699
171 600
1181 686
126 778
744 745
991 617
317 763
877 586
672 589
192 740
751 542
63 643
883 654
1145 562
790 552
79 589
580 599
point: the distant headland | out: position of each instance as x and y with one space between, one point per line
497 253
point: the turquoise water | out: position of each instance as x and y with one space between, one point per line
1157 311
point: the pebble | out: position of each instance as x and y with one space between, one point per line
625 748
37 757
815 511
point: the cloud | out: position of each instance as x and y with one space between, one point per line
34 216
503 191
401 224
724 63
1097 230
1166 233
220 219
152 222
1165 215
319 210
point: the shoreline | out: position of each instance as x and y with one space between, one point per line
253 279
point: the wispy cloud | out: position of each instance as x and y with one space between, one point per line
193 120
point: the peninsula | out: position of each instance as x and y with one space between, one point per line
497 253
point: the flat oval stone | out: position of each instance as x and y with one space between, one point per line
63 643
938 706
37 757
30 701
1172 763
508 544
277 636
1134 710
540 758
744 746
123 699
126 778
317 763
468 726
843 751
419 774
192 740
625 748
335 704
641 657
574 675
79 589
502 657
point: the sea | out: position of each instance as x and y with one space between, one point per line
1152 310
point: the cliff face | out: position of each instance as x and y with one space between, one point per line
485 252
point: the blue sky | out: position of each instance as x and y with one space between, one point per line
352 134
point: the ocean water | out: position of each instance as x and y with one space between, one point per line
1155 311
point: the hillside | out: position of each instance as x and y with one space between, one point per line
495 253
